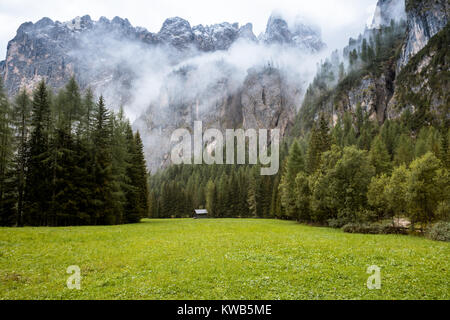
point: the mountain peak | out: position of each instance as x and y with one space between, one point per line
177 32
79 23
298 33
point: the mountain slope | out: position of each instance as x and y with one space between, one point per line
408 70
220 74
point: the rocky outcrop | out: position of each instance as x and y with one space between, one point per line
54 50
422 87
103 55
424 20
372 94
388 10
299 34
417 83
267 100
246 32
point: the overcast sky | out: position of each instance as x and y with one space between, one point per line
338 19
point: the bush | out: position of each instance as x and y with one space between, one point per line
360 228
439 232
337 223
375 228
388 228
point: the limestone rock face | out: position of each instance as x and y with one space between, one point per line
264 101
177 32
373 94
46 50
112 57
246 32
299 34
267 101
55 51
424 20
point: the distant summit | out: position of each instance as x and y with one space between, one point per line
298 34
46 49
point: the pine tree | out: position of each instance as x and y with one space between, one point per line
64 205
319 143
379 156
105 186
303 197
253 195
141 178
364 51
404 152
22 117
7 213
211 198
39 175
275 206
295 164
73 108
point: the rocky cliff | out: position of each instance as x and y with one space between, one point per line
408 73
298 34
55 51
424 20
422 87
173 77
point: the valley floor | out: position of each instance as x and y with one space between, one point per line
218 259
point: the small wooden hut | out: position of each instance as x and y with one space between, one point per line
201 214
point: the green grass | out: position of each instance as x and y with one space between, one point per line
218 259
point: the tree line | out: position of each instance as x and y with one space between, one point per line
337 171
332 176
67 160
343 176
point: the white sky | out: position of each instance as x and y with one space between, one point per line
338 19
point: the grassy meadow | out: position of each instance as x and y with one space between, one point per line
218 259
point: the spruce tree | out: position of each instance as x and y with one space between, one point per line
404 152
38 189
7 206
22 118
379 156
364 51
295 164
320 142
211 198
253 195
303 197
141 179
103 196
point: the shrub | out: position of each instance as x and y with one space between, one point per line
337 223
359 228
388 228
375 228
439 232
